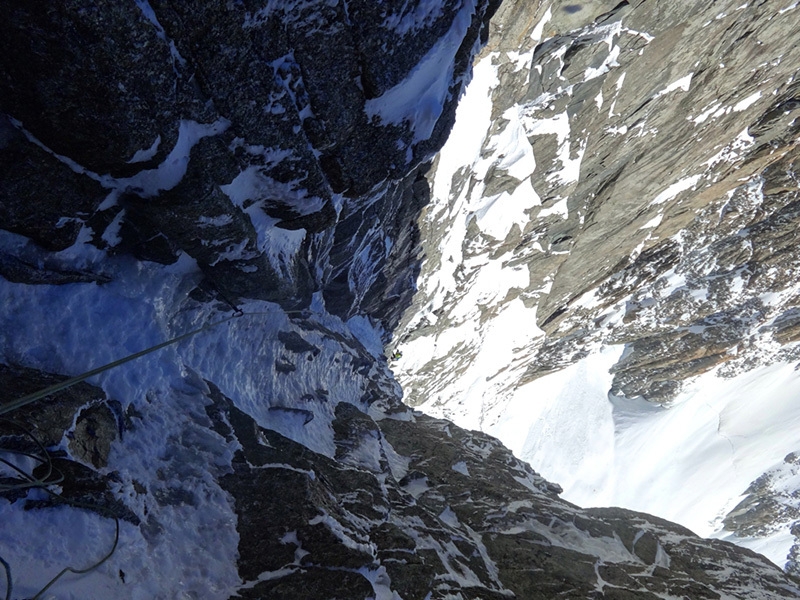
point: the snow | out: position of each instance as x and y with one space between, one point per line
461 467
532 425
654 222
463 147
609 63
281 245
676 188
111 234
733 150
560 208
419 99
145 155
381 583
747 102
367 333
560 126
537 32
513 148
500 213
496 346
193 545
681 84
150 15
788 8
90 326
150 182
703 117
688 463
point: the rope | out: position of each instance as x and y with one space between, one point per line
29 481
25 400
90 568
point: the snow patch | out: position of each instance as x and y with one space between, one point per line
676 188
145 155
747 102
419 99
681 84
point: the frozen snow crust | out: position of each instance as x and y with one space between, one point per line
611 273
219 168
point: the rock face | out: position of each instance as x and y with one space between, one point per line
629 188
244 181
239 137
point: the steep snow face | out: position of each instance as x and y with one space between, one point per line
610 283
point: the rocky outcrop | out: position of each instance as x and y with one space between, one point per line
235 187
233 134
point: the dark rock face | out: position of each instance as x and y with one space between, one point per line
174 128
168 162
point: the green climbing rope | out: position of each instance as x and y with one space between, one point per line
28 480
25 400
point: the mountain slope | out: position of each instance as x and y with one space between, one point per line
228 194
610 280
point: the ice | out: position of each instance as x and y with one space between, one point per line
419 99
